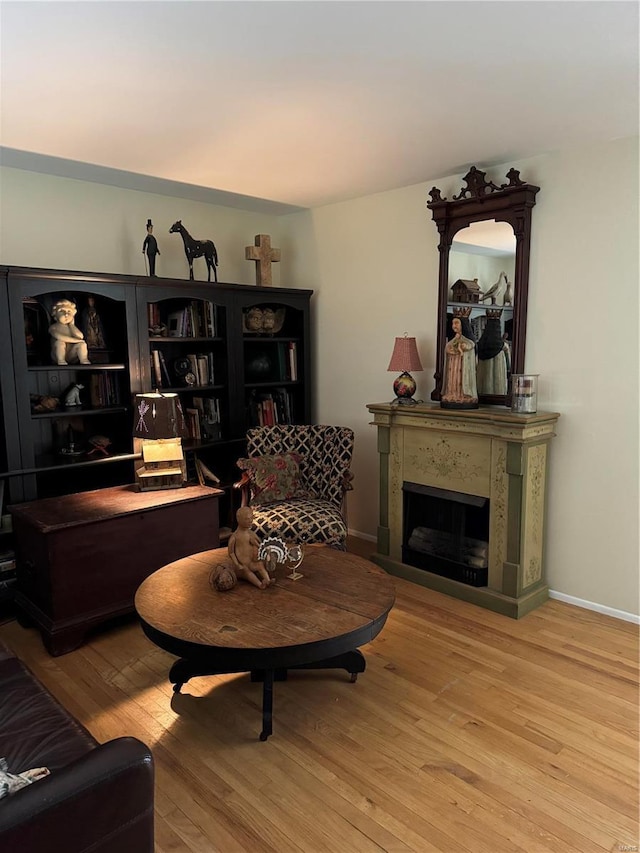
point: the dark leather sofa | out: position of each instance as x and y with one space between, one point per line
98 797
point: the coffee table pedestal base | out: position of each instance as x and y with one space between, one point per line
182 670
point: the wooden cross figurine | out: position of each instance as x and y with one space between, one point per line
264 256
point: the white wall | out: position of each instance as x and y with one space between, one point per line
61 223
374 265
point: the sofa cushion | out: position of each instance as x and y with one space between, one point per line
36 730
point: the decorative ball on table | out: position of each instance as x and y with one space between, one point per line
223 578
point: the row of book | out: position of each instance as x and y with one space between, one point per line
274 362
198 319
276 407
104 390
203 419
201 365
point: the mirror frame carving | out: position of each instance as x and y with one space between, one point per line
482 200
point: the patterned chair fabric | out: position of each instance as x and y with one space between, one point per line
326 459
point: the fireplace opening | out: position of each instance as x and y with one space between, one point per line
446 533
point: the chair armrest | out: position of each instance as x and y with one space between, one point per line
244 484
102 802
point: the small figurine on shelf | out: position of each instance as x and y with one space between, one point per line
72 448
99 445
72 396
243 550
91 325
150 247
43 403
68 345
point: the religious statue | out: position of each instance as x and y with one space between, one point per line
243 550
91 325
459 380
150 246
68 345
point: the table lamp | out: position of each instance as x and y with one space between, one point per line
405 358
158 429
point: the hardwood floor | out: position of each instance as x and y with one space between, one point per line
468 732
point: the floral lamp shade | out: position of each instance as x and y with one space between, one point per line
405 359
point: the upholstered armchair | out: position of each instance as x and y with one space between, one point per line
295 479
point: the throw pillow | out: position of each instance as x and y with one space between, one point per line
274 478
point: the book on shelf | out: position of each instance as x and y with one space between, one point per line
193 360
203 473
193 423
293 361
198 319
284 370
208 416
153 314
272 408
103 390
164 370
203 369
156 371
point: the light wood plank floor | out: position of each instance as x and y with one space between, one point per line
468 732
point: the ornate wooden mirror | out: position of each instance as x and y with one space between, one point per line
485 234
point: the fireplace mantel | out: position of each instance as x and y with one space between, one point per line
488 452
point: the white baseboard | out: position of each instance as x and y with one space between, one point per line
560 596
592 605
366 536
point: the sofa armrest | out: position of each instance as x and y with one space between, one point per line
103 802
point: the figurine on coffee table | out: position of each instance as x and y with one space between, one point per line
243 551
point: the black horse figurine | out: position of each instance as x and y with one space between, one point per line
196 249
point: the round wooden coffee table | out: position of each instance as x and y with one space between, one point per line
316 622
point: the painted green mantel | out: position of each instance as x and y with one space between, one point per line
489 452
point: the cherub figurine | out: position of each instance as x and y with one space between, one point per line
243 551
68 345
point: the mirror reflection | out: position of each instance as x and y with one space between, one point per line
481 294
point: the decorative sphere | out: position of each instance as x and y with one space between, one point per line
223 578
259 367
404 386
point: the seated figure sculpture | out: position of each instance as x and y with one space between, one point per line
68 345
243 551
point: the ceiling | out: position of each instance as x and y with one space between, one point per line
307 103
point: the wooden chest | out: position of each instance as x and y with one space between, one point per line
80 558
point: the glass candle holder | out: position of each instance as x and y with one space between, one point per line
524 393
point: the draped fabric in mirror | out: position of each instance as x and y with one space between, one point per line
483 278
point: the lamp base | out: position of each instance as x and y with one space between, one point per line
405 401
405 386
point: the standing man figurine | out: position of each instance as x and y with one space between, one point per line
150 246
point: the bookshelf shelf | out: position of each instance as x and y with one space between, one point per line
81 411
82 368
